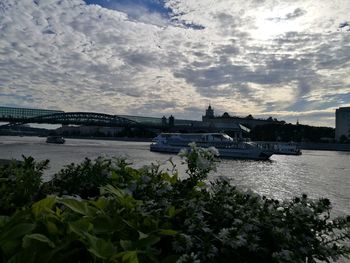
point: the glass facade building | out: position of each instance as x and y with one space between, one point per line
154 121
342 123
23 113
144 120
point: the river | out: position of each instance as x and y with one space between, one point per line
316 173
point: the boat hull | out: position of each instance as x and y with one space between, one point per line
231 153
287 149
55 139
288 153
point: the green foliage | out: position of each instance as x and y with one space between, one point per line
147 215
199 161
80 179
19 183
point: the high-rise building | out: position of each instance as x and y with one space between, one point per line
342 123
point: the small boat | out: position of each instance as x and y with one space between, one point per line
287 149
55 139
226 146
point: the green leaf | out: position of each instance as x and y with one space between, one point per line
38 237
16 232
11 238
43 205
103 225
142 235
80 227
100 203
130 257
109 189
52 228
99 247
114 175
201 184
79 207
168 232
4 220
23 256
147 242
171 211
126 244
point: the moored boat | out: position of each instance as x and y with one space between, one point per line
287 149
55 139
226 146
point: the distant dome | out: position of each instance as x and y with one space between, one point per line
226 115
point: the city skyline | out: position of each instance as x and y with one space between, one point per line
266 58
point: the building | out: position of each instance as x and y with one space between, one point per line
342 123
225 120
83 130
9 113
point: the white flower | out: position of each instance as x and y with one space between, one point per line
213 151
203 163
183 152
192 145
188 258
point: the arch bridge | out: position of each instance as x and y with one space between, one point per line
84 118
16 116
75 118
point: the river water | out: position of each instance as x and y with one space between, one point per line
316 173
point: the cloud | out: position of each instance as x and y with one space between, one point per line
176 56
298 12
140 11
345 25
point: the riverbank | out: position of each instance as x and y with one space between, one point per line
4 162
123 139
8 161
324 146
315 146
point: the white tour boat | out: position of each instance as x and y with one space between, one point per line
226 146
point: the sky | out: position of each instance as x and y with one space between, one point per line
280 58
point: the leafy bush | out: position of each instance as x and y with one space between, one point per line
147 215
19 183
80 179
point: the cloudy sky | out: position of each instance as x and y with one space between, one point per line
280 58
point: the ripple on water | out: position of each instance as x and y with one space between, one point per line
317 173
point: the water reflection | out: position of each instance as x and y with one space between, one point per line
317 173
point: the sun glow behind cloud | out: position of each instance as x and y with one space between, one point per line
270 25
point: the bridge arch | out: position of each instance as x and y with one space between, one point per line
84 118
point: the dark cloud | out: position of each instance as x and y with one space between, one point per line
298 12
345 25
136 59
